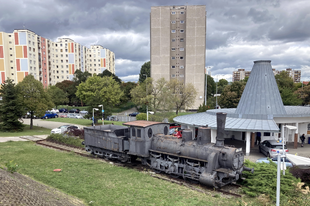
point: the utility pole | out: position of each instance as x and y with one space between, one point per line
147 109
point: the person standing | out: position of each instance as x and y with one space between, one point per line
302 138
258 138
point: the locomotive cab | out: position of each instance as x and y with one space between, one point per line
141 133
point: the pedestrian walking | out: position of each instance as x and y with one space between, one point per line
302 138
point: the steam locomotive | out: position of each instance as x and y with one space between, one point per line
211 164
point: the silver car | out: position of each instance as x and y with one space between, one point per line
71 115
270 148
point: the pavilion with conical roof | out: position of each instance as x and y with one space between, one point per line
260 109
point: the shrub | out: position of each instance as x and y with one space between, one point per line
141 116
171 118
264 181
11 166
302 173
66 140
76 133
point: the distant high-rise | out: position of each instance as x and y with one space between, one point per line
240 75
23 52
178 45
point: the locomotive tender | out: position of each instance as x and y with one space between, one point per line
211 164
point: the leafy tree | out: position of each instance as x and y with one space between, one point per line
221 85
127 87
68 87
107 73
11 107
145 69
304 94
34 98
287 88
100 91
211 86
80 76
182 95
231 95
57 95
154 95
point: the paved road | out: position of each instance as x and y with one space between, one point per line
47 124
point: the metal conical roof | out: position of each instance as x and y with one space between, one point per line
261 96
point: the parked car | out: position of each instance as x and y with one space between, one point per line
151 112
74 111
71 115
27 115
83 112
55 110
49 115
63 110
79 116
62 129
63 115
275 160
134 114
112 118
270 148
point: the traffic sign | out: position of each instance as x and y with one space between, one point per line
102 111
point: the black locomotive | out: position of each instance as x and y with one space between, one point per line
211 164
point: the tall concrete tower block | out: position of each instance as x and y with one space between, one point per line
178 46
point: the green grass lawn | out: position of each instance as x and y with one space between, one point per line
85 122
27 132
101 183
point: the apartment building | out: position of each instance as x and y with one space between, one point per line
100 59
240 75
178 45
24 52
294 74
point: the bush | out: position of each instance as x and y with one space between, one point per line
170 119
141 116
264 181
303 174
76 133
66 140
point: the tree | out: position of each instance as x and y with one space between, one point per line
107 73
221 85
57 95
69 88
231 95
145 69
127 87
287 88
304 94
182 95
155 95
100 91
11 107
34 98
80 76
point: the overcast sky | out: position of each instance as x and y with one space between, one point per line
238 31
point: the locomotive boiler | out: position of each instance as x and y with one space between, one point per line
211 164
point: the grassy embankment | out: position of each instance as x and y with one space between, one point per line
101 183
27 132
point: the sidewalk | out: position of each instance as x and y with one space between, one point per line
23 138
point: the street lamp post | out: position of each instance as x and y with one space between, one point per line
94 115
147 109
102 111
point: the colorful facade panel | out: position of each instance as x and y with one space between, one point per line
24 65
1 64
22 36
2 77
1 38
71 58
18 65
20 76
102 53
1 52
16 38
25 52
19 51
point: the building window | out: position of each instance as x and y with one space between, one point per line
182 30
173 31
173 75
29 48
173 40
181 49
10 48
172 57
10 42
181 39
181 22
172 22
172 67
173 12
12 67
67 66
181 75
181 67
66 50
172 49
94 65
181 57
182 12
60 44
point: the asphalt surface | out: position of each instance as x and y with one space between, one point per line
47 124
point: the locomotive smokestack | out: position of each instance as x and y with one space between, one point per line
220 136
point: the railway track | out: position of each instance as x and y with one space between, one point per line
137 165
